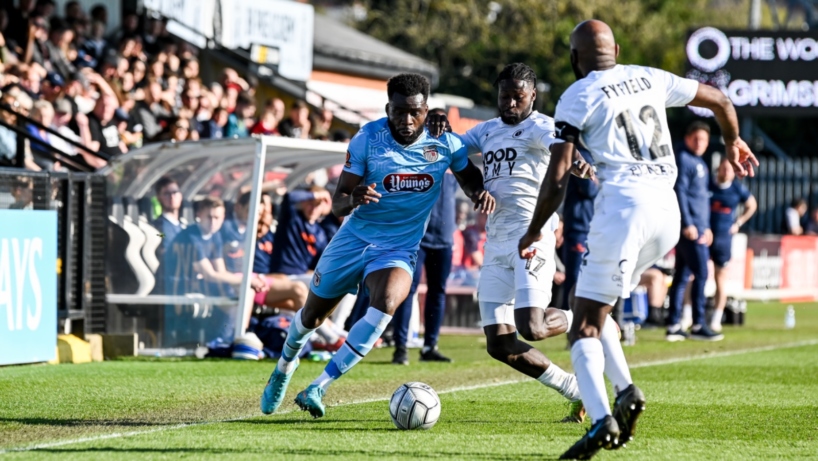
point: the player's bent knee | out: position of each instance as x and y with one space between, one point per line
531 324
499 351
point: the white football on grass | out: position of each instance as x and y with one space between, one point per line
414 406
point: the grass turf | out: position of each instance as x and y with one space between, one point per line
753 405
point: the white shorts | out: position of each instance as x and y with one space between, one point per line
508 282
622 244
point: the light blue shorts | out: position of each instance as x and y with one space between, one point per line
348 260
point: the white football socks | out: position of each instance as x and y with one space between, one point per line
616 366
589 365
558 379
297 337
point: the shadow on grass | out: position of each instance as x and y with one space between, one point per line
87 422
314 453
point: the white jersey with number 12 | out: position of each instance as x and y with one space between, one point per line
619 115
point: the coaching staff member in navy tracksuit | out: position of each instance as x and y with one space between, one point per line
692 252
576 214
725 196
435 254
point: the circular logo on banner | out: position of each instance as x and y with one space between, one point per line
722 49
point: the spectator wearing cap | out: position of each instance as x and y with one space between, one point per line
241 119
298 124
63 114
52 87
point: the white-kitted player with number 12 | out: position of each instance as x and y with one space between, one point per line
618 113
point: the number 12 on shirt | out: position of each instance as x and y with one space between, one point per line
646 114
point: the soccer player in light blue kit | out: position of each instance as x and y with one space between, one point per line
391 180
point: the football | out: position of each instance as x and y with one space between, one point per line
414 406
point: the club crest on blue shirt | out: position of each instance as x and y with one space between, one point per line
316 278
430 153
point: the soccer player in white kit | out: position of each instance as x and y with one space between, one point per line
618 113
514 294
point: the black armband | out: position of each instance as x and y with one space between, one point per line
567 132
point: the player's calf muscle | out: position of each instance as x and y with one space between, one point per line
536 324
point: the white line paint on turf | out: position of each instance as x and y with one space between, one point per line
654 363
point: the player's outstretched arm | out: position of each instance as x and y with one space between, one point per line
350 194
738 153
552 192
471 181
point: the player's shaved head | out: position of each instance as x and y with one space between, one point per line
593 47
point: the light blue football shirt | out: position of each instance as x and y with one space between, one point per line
407 177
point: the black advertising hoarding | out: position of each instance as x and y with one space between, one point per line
769 73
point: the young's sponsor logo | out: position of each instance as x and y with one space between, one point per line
408 182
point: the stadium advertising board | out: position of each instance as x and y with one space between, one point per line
771 73
287 26
28 286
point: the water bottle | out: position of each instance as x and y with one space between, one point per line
789 319
629 333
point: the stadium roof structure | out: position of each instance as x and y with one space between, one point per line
338 47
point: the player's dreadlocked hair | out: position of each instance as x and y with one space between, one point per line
408 85
517 71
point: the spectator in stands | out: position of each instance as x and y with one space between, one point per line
278 109
19 22
321 124
19 101
692 251
30 79
812 225
73 11
104 130
63 114
34 44
298 124
52 87
240 121
94 47
152 110
793 216
435 255
22 189
59 47
215 128
726 195
299 237
43 113
197 252
267 123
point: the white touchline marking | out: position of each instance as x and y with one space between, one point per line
652 363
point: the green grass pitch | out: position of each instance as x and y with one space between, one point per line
752 396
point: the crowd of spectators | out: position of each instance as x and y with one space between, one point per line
116 91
